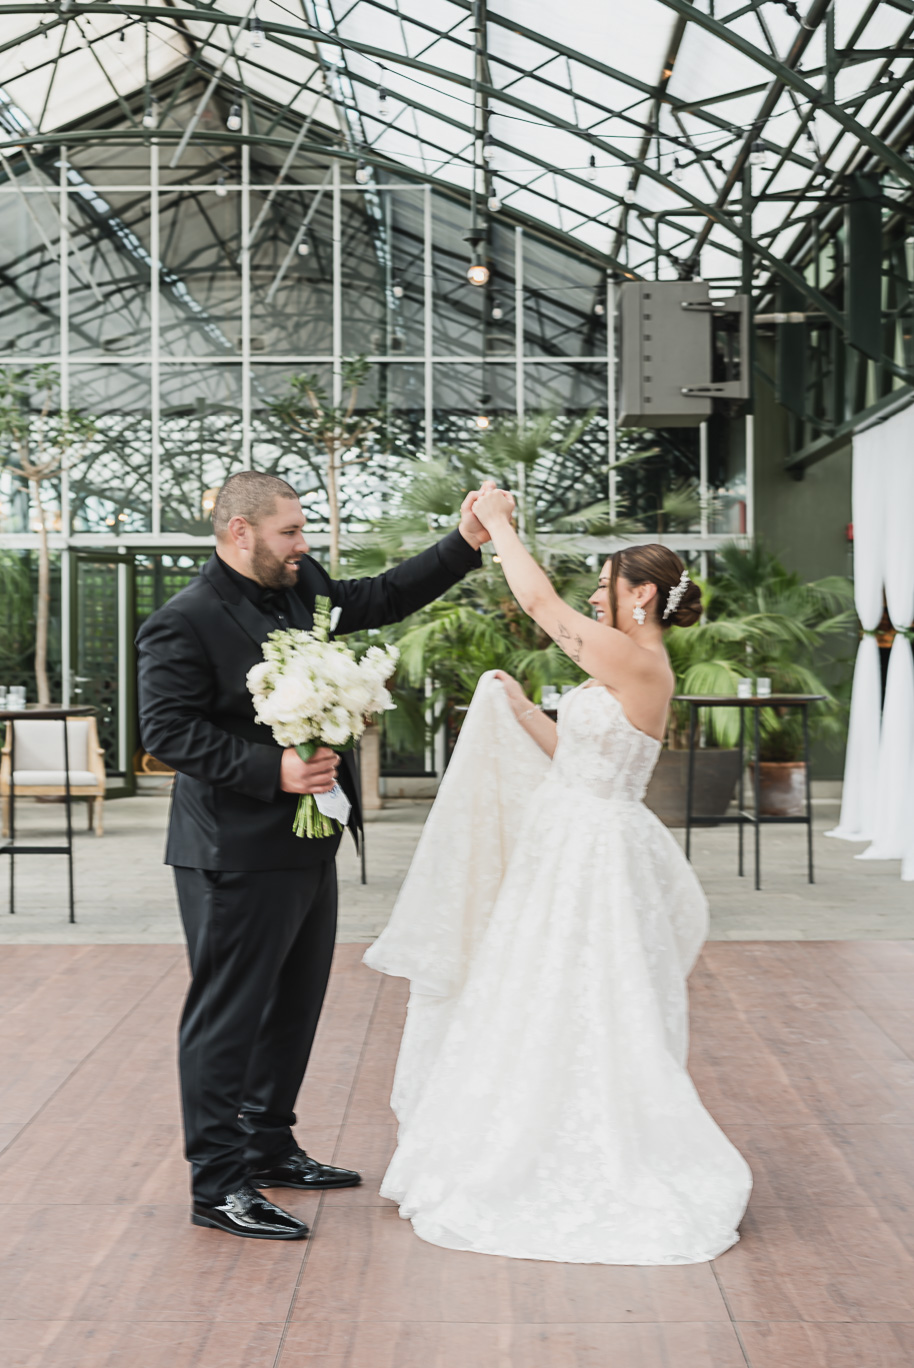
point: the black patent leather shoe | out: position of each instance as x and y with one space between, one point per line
306 1174
246 1213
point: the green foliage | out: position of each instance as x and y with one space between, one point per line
17 623
762 620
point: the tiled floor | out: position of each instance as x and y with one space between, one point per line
804 1052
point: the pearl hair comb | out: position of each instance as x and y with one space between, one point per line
675 595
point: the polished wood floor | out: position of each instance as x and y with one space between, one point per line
803 1051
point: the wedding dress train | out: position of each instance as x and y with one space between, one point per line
548 924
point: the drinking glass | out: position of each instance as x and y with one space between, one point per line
744 688
763 687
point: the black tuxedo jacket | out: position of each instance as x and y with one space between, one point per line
196 714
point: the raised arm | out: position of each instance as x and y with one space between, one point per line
602 652
382 599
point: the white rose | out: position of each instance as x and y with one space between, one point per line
291 700
258 676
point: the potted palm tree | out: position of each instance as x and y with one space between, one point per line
810 621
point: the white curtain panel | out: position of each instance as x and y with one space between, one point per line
861 765
895 771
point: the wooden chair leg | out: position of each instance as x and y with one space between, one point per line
99 816
90 810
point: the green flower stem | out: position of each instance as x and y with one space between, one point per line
310 822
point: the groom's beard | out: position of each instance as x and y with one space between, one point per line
270 570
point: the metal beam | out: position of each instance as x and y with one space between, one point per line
786 75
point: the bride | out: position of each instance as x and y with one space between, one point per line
548 925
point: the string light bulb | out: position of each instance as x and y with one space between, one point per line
497 312
592 168
220 187
599 309
758 155
397 290
494 204
488 148
233 122
151 114
258 36
482 421
304 247
478 273
362 173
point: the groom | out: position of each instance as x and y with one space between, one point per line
258 903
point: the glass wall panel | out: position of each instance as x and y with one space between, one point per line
390 407
201 275
460 309
29 275
111 483
366 274
564 303
383 280
201 441
405 224
569 476
42 441
109 271
292 272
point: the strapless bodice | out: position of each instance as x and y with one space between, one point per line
599 749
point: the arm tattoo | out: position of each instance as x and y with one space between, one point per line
571 645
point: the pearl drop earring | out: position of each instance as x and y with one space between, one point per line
639 614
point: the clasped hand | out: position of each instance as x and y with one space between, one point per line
317 775
493 506
490 501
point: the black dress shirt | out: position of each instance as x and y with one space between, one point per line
273 602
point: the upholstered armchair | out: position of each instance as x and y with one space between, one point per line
39 761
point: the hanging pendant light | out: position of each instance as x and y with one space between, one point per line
233 122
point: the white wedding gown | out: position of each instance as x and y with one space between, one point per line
548 924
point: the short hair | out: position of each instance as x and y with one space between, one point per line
250 494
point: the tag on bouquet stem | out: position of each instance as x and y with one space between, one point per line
334 804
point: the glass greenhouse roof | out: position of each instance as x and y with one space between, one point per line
623 130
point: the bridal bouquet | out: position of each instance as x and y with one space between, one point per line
313 692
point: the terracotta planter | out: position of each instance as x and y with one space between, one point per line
782 788
716 775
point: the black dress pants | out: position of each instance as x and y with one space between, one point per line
260 946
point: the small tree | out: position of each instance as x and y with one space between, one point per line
38 442
337 428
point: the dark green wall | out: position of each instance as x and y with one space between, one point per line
803 521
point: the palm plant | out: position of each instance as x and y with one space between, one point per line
761 619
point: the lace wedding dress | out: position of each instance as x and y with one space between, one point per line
548 924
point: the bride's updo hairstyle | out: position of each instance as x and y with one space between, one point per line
661 566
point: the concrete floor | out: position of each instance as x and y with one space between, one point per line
126 896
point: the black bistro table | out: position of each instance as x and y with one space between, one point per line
742 817
10 846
